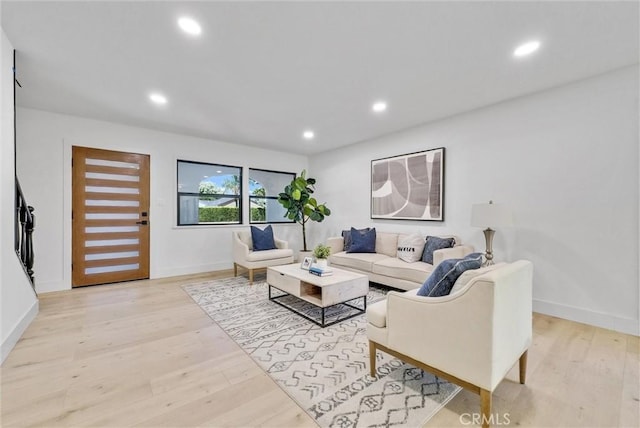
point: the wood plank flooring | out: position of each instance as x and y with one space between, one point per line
143 354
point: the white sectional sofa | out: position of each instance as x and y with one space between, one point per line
383 267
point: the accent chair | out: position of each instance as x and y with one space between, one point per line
244 255
472 337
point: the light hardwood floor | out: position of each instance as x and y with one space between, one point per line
143 354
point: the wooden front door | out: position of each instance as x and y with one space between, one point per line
110 217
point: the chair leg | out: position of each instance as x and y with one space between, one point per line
250 276
372 358
235 269
523 367
485 407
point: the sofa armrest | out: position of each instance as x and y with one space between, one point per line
336 243
283 245
459 327
457 252
240 249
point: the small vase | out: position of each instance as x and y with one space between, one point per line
322 263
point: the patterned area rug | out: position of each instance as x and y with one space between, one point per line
326 370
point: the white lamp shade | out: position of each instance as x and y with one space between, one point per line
490 215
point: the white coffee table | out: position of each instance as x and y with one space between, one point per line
321 291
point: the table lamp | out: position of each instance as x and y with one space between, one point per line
490 215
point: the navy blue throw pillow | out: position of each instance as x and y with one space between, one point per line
262 239
441 280
434 243
346 235
363 242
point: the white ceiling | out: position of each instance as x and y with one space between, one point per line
263 72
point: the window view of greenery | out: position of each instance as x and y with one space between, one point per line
264 187
257 203
209 193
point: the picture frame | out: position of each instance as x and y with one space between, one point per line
409 186
306 263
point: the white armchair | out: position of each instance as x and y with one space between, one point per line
472 337
244 256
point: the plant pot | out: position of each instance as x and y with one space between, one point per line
323 263
303 254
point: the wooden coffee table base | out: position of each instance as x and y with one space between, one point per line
322 322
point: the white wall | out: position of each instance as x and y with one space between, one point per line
44 150
564 160
19 305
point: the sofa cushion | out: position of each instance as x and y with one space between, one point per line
377 314
410 248
441 281
393 267
362 242
258 256
468 275
262 239
434 243
360 261
346 236
387 244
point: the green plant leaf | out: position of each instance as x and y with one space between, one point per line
322 251
316 216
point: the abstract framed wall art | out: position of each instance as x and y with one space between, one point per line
408 187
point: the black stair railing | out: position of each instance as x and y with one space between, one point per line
25 224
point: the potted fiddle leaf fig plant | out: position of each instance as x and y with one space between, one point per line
300 205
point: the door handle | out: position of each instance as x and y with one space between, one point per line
143 222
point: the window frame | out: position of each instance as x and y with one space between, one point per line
251 197
239 196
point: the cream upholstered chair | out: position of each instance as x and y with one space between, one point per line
244 256
472 337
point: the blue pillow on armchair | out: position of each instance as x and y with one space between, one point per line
262 239
363 242
444 276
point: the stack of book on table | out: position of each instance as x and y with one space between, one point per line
320 271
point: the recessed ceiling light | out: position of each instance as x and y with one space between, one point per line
158 98
189 26
308 135
526 48
218 172
379 106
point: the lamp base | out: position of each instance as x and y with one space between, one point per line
488 255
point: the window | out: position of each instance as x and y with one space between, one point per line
209 193
264 187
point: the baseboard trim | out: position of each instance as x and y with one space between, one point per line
50 286
585 316
18 330
188 270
